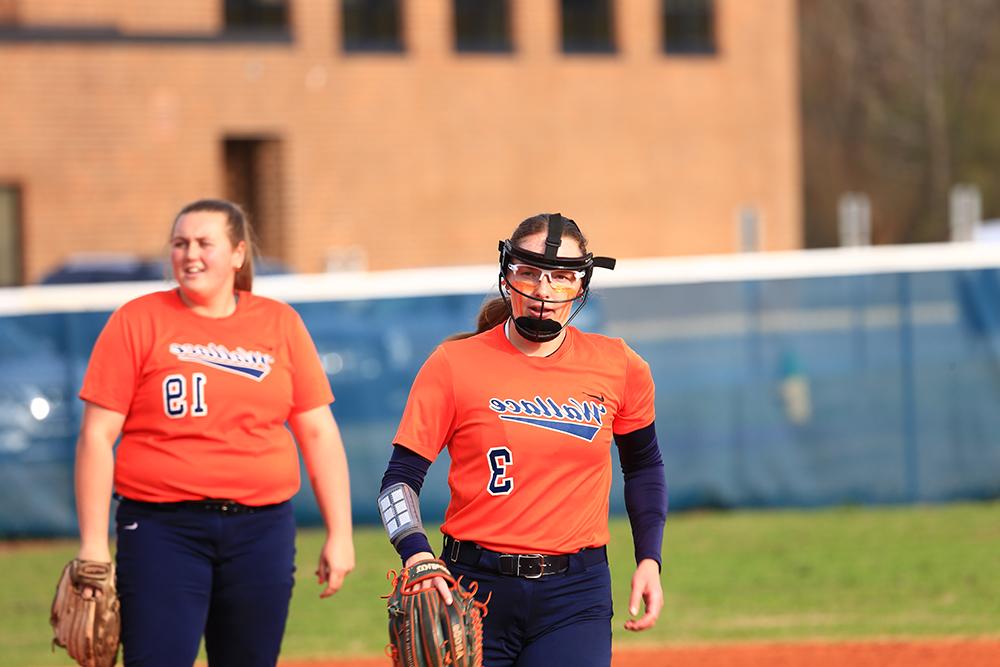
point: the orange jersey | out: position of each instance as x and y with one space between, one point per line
206 400
529 437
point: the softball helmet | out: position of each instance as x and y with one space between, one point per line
569 278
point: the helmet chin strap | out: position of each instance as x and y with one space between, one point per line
539 329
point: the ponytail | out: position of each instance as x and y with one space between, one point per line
492 313
243 280
237 229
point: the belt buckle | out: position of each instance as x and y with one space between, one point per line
538 558
225 506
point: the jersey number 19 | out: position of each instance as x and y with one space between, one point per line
175 395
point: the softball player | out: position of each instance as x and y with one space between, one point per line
528 408
199 382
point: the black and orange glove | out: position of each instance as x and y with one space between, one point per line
426 632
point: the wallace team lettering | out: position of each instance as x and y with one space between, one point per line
581 419
250 363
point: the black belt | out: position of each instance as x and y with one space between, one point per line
219 505
529 566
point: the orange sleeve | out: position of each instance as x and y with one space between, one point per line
310 387
115 364
429 417
639 404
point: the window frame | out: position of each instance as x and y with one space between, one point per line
579 49
17 248
256 27
691 47
501 47
396 44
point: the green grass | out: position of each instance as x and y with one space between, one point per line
839 574
845 573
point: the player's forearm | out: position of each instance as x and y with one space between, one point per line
326 462
407 467
323 451
645 491
94 475
646 504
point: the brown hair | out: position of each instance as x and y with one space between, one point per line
491 313
494 311
237 229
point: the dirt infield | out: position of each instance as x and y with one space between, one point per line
895 653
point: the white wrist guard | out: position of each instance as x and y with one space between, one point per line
399 508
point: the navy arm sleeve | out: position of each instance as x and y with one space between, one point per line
408 467
645 490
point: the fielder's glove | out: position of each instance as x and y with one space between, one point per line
87 627
423 630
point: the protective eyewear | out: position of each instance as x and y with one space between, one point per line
561 280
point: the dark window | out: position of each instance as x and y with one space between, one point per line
257 15
372 25
688 26
482 26
11 261
255 180
587 26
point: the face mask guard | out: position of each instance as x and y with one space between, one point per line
540 329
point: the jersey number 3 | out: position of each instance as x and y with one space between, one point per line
499 459
175 395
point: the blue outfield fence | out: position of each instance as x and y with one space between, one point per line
783 380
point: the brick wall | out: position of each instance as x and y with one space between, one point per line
421 158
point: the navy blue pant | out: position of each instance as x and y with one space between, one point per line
558 619
187 572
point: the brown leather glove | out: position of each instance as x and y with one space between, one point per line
87 626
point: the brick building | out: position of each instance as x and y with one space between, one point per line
396 133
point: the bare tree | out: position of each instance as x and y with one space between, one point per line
890 88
